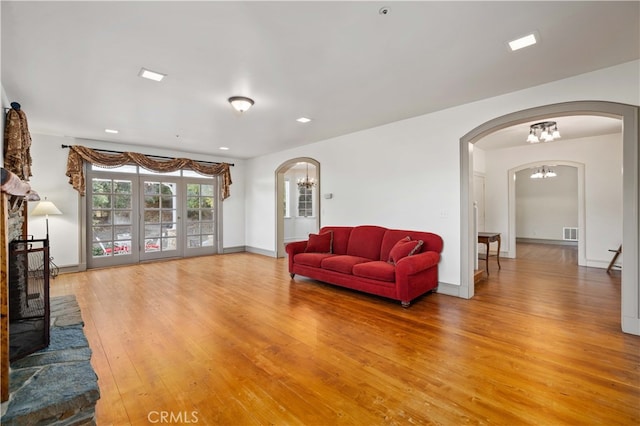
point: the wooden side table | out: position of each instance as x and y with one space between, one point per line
487 238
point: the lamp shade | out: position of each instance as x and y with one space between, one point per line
45 208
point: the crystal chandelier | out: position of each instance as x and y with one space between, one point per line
543 173
545 131
305 182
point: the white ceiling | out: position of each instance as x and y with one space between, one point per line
73 65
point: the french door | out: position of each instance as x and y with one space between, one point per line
137 217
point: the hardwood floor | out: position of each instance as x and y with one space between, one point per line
231 340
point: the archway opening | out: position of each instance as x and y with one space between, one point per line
297 204
630 116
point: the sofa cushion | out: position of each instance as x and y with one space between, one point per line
311 259
403 248
320 243
432 242
340 237
365 241
376 270
342 263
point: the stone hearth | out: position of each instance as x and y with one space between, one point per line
56 385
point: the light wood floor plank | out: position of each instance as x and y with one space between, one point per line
232 340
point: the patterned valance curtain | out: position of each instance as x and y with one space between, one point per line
78 154
17 144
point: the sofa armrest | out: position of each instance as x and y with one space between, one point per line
292 249
295 247
411 265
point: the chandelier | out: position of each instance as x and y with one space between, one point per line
305 182
545 131
543 173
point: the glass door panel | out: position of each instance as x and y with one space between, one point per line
200 214
111 233
161 216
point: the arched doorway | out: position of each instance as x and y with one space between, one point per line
630 115
281 194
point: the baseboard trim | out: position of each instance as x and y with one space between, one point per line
236 249
544 241
263 252
448 289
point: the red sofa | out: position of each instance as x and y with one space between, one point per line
392 263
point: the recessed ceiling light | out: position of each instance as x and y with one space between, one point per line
114 131
522 42
151 75
303 120
224 148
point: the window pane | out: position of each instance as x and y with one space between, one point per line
122 201
206 215
102 233
193 202
193 229
167 216
169 244
207 240
122 186
122 247
151 216
193 215
207 202
101 185
152 230
100 249
144 171
151 245
168 202
206 227
121 169
152 202
101 201
101 217
193 242
122 232
151 188
207 190
122 217
193 189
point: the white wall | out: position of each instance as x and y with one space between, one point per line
602 157
545 206
407 174
49 179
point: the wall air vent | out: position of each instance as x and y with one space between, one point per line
570 234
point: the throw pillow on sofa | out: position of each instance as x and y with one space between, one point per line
403 248
320 243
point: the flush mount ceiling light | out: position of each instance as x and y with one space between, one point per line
303 120
523 42
545 131
240 103
151 75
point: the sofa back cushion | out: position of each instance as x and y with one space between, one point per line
431 242
340 237
365 241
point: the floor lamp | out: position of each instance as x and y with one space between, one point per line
45 208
